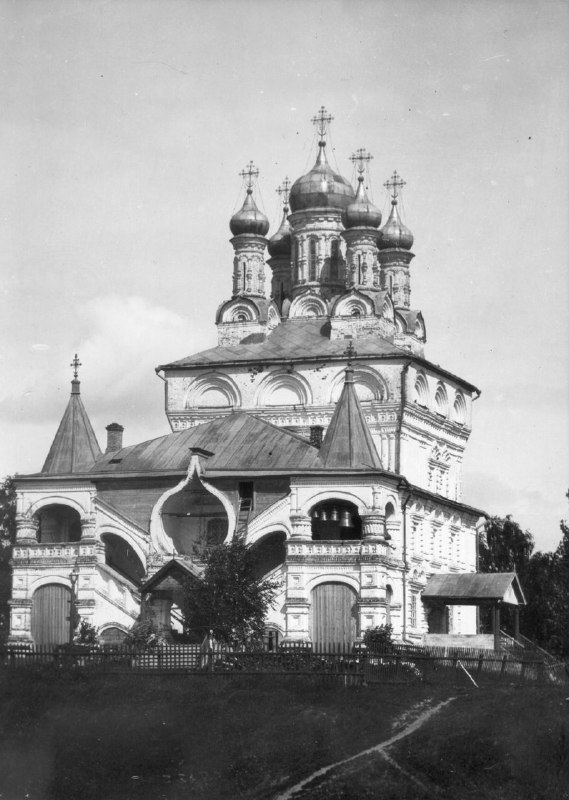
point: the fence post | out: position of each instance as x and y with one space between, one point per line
503 667
480 665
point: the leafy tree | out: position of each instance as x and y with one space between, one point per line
230 599
505 547
7 539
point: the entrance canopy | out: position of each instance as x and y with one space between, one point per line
474 589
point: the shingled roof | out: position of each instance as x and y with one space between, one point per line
75 448
348 443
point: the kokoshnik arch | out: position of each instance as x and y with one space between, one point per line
316 429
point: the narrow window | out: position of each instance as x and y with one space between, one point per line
334 258
312 261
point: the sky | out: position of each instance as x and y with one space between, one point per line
125 125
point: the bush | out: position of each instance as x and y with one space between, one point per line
87 634
144 635
379 639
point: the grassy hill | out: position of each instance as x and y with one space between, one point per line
69 736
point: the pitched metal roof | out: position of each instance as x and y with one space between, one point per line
177 569
348 442
75 448
474 588
292 339
238 442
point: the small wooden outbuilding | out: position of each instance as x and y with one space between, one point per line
492 589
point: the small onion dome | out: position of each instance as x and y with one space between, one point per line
361 213
321 187
280 243
249 219
394 233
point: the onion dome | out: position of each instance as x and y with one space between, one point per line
249 219
361 213
321 187
280 245
394 233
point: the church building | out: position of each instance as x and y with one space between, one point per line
317 430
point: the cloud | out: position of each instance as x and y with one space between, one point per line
120 342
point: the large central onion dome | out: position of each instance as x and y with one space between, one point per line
249 219
321 187
361 213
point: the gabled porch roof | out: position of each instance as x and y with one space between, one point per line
473 589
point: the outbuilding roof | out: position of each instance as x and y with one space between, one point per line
474 588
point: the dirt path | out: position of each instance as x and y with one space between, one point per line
378 748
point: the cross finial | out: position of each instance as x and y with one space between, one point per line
284 190
362 157
350 353
394 184
322 120
250 175
75 364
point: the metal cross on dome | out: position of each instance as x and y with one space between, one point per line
351 353
322 120
75 364
394 184
362 157
283 190
250 174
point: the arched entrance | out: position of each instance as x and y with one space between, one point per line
51 606
334 614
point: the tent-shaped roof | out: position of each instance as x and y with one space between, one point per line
75 447
348 443
474 588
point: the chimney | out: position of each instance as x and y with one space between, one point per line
114 437
316 432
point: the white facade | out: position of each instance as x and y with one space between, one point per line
282 359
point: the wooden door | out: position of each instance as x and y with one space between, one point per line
334 619
50 614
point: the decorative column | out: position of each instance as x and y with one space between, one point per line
301 527
88 525
373 526
26 529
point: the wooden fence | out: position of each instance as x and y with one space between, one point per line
352 664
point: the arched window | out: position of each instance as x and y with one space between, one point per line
312 260
359 264
421 391
389 512
441 401
388 603
335 520
243 276
334 259
459 409
120 556
58 523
